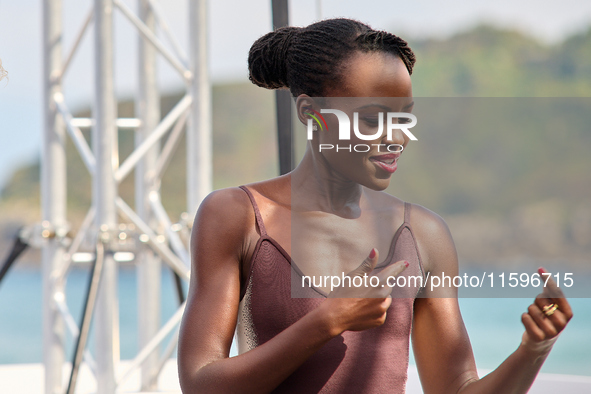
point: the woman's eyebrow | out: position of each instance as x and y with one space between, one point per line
385 108
409 105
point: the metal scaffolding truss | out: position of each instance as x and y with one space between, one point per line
111 225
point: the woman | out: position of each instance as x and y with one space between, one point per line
343 339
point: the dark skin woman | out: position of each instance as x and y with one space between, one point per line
346 339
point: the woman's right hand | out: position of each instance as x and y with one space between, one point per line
357 308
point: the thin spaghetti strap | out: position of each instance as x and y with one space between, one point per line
257 213
407 212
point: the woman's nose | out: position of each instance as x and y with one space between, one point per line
393 135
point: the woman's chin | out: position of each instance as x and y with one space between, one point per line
378 184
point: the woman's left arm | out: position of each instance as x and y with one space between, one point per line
441 345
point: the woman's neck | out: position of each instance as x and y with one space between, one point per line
316 186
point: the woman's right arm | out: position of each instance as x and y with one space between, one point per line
218 244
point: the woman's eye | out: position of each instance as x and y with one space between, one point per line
371 121
403 120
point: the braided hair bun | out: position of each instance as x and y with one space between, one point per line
310 60
267 60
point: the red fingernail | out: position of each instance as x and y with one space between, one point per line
406 263
372 254
542 270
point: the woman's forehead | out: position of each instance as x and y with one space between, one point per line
373 74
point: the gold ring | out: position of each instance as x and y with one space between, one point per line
549 309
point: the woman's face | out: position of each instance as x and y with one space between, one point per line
373 83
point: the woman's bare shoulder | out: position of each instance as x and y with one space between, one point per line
225 212
427 222
433 238
226 201
276 189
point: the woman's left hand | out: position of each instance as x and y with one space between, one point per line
546 317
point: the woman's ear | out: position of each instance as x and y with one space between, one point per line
304 106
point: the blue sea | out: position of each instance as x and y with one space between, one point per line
494 325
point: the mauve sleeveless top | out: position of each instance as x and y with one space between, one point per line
370 361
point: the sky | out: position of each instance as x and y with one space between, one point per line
233 27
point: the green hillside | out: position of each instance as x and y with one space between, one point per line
487 62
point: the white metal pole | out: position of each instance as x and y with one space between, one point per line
104 138
199 168
318 10
149 266
53 191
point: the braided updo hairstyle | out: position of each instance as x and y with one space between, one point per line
309 60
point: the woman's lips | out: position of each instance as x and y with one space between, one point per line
387 162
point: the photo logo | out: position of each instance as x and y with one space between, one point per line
392 123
